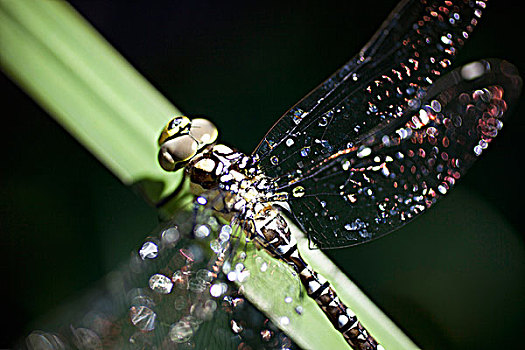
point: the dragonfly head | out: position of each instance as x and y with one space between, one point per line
182 138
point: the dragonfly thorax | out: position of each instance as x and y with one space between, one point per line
221 168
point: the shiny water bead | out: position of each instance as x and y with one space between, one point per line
217 246
201 200
180 332
202 231
218 289
243 276
212 223
226 230
298 191
170 236
284 321
232 276
236 327
160 284
305 151
241 273
84 338
266 335
205 275
143 318
40 340
180 279
149 250
197 285
203 311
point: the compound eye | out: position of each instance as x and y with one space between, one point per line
176 127
203 131
174 153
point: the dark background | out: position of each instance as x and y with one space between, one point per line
454 278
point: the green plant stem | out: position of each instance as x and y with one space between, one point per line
89 88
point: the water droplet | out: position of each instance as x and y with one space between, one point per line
305 151
284 321
243 276
39 340
436 106
414 103
149 250
218 289
236 327
201 231
170 236
212 223
85 338
365 151
242 256
478 150
232 276
274 160
289 142
224 235
365 234
143 318
197 285
346 164
446 40
160 284
180 332
323 121
266 335
201 200
288 300
216 246
204 274
298 191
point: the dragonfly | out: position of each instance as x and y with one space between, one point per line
370 149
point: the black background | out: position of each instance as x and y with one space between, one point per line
454 278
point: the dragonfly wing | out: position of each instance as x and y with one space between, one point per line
391 177
414 46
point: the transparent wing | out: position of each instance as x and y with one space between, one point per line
399 171
413 48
